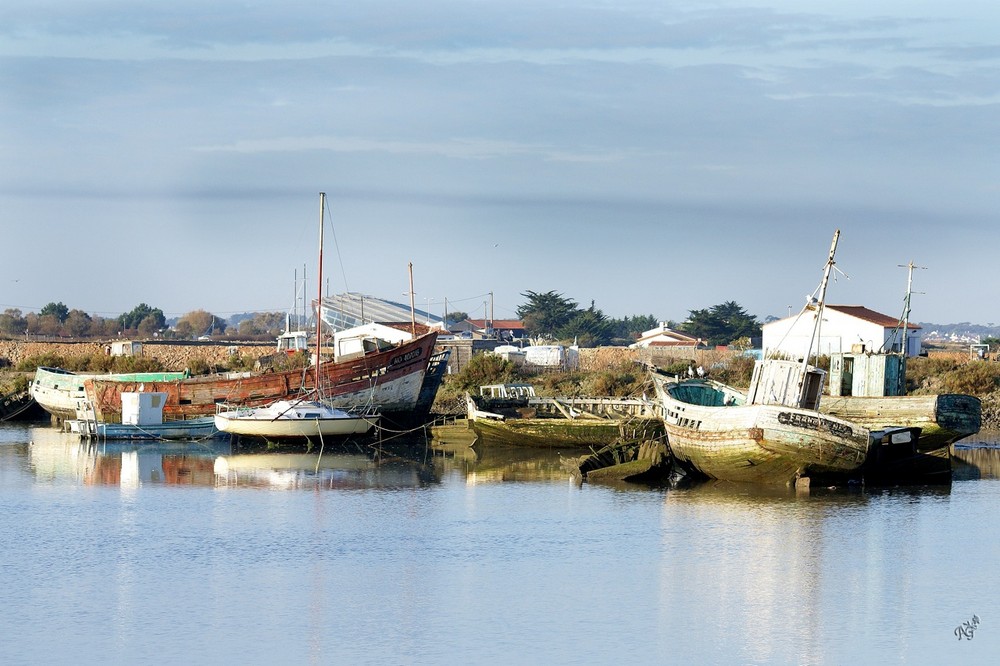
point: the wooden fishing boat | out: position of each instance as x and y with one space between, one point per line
775 432
388 378
712 430
943 419
60 392
15 403
868 387
511 414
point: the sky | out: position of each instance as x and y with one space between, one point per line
646 156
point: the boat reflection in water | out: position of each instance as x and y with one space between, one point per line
329 470
977 457
60 457
499 464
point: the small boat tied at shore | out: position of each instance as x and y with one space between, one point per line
293 419
142 419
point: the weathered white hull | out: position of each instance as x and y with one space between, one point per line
60 392
759 443
943 419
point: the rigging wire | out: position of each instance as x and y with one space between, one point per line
336 246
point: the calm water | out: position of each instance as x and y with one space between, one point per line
190 554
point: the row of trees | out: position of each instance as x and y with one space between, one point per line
553 316
57 320
547 315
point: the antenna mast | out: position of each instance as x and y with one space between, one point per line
906 305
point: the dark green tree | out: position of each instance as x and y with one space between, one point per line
457 316
630 328
589 328
721 324
545 314
58 309
131 320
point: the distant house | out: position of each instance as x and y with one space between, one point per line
844 329
504 329
664 337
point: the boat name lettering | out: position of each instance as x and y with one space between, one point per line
814 423
408 357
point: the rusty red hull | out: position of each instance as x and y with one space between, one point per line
389 380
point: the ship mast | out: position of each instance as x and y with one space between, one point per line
319 292
815 339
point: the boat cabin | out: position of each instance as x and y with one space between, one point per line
787 383
360 340
291 342
860 373
142 409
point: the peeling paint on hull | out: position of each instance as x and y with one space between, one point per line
769 444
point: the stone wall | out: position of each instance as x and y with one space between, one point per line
173 356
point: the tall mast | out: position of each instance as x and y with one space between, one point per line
906 305
822 300
319 291
413 314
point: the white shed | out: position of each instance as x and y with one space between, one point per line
845 328
126 348
552 356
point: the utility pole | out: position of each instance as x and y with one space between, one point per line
906 305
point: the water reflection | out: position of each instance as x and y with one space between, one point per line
58 457
327 471
502 464
54 456
770 557
976 461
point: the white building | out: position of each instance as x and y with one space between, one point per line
661 336
845 328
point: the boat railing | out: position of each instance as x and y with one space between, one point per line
234 410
